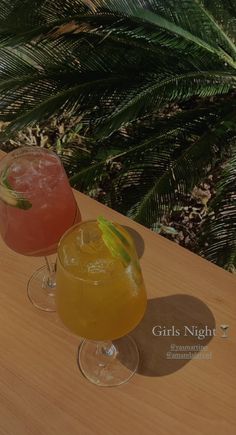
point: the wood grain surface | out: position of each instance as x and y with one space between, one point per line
42 391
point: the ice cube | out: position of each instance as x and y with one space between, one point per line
79 240
69 256
89 241
100 266
45 207
18 168
133 276
49 167
43 183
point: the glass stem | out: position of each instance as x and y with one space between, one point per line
51 282
106 351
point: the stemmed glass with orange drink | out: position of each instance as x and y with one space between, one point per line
101 297
37 206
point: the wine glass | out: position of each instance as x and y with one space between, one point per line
101 297
37 206
224 329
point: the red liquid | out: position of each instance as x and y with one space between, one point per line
41 179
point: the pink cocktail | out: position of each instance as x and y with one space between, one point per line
37 206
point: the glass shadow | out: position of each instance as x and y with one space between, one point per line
173 331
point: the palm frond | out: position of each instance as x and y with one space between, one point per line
175 18
119 61
6 7
85 178
151 137
146 50
154 191
37 102
222 38
163 162
32 78
218 238
224 13
157 90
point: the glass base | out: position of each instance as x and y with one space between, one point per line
41 291
108 365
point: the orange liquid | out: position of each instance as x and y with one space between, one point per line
97 296
41 179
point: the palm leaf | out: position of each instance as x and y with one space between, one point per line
174 18
218 239
29 94
119 61
217 29
159 90
155 193
75 98
158 76
84 179
159 156
224 13
171 17
152 144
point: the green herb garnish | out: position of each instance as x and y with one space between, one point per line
115 241
9 196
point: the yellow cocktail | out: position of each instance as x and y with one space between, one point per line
101 297
98 297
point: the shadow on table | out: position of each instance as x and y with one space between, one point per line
183 315
138 240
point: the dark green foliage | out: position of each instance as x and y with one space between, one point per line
119 62
218 241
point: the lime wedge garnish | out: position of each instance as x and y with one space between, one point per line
10 196
115 241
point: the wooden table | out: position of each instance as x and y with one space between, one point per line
43 392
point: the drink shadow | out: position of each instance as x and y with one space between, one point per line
185 325
138 240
